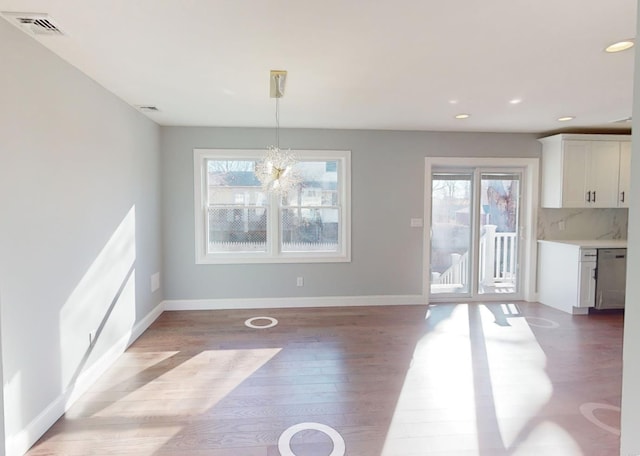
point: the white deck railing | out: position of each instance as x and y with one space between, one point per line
497 256
497 261
457 272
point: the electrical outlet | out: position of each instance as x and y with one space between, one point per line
300 281
561 225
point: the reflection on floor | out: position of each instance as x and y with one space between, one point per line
462 289
450 379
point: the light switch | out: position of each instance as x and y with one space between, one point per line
416 222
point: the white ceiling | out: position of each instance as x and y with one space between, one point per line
363 64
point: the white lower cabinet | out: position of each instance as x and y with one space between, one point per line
562 282
587 278
567 273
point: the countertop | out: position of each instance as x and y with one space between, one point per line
592 243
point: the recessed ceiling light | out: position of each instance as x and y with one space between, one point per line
453 101
565 118
463 116
515 101
619 46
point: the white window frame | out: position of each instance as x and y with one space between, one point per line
273 253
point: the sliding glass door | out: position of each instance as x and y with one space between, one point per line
498 230
451 234
475 226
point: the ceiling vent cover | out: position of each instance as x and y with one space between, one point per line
34 23
147 108
623 120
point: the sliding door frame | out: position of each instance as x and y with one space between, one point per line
528 222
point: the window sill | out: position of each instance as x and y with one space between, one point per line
210 259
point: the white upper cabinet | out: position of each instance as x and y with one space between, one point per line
574 164
602 177
625 174
584 170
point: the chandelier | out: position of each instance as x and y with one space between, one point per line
275 171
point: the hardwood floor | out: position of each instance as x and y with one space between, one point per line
456 379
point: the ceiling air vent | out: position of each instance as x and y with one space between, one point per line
146 108
34 23
623 120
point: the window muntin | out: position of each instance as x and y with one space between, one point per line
242 224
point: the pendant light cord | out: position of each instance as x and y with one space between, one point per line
278 112
278 123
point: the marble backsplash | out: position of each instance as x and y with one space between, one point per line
578 224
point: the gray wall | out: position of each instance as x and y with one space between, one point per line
79 227
630 420
387 191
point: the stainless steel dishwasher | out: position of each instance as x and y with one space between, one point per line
611 278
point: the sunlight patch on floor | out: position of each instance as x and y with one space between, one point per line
520 386
437 397
477 384
547 438
211 375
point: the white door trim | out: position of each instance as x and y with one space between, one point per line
529 221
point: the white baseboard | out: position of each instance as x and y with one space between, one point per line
272 303
93 373
18 444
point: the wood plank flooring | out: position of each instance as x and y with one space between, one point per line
450 379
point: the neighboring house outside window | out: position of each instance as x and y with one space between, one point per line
237 222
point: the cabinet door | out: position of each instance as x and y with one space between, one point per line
604 169
625 174
587 292
575 165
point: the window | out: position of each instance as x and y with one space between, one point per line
236 222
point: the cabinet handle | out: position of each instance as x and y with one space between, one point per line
594 196
589 196
622 197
